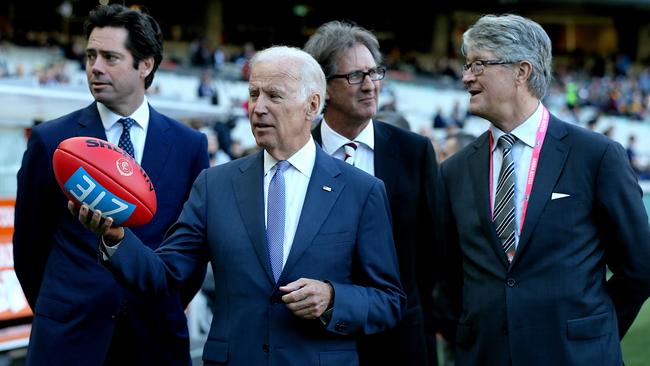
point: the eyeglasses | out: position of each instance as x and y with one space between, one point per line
357 77
478 66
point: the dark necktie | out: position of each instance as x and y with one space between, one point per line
504 203
125 139
276 218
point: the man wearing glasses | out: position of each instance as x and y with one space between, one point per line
350 58
533 212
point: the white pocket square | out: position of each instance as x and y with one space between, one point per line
555 195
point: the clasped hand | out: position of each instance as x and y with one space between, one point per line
307 298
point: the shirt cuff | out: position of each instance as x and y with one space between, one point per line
107 250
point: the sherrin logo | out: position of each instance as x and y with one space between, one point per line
124 167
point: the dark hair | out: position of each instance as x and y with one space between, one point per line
144 37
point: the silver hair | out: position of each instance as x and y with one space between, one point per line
333 38
514 38
310 73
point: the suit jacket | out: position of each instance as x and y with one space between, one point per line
553 305
76 302
343 237
406 163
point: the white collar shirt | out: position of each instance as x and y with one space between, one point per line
334 142
522 152
296 181
138 131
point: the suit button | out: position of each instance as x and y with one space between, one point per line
265 348
276 300
340 327
504 329
511 282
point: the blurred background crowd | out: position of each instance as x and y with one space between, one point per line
601 53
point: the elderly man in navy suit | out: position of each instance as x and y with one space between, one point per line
82 315
535 211
300 243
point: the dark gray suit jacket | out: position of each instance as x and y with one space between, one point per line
553 305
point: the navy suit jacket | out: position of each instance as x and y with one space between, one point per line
553 305
74 299
343 237
406 163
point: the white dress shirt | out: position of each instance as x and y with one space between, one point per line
296 180
334 142
522 152
138 131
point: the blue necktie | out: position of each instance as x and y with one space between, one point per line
276 218
125 139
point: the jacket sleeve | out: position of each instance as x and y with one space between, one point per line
375 302
33 226
626 235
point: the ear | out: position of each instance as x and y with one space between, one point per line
523 70
313 102
146 65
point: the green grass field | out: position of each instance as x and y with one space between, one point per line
636 344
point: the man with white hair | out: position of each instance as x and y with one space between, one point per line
300 243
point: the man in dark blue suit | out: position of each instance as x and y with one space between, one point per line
534 212
300 243
82 315
350 58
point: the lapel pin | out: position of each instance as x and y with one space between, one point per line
326 188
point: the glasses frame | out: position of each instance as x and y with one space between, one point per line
477 67
379 71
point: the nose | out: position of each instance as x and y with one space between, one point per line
468 77
96 66
257 106
368 83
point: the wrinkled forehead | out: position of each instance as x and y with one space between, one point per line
273 76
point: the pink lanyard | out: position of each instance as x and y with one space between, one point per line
532 170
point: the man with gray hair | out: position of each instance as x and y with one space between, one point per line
533 212
299 242
403 160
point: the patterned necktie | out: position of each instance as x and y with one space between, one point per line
350 149
125 139
504 203
276 218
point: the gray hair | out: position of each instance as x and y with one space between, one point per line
310 74
333 38
514 38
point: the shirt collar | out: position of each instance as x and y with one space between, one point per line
303 159
332 140
525 132
109 118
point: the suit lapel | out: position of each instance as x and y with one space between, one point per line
385 157
316 208
479 167
249 192
90 123
551 162
157 145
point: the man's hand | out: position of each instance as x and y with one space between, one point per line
93 221
307 298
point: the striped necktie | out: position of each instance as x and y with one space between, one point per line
504 203
350 149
